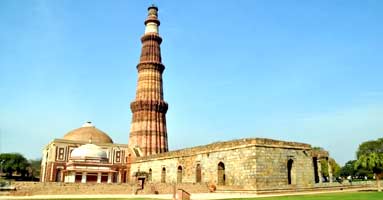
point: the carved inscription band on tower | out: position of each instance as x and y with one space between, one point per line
148 128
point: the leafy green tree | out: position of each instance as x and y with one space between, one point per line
324 165
13 162
348 169
370 157
335 168
34 168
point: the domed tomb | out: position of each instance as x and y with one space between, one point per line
89 152
88 132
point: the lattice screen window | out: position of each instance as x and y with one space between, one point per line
61 153
118 156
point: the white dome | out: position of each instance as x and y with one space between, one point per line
89 151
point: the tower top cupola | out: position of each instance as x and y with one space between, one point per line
153 9
152 23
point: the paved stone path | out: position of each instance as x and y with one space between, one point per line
198 196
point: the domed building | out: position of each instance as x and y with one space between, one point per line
85 154
89 163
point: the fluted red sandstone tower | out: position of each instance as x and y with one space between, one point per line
148 128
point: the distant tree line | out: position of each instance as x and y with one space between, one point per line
359 173
369 162
16 166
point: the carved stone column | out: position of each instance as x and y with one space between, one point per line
320 171
330 176
110 177
83 177
99 177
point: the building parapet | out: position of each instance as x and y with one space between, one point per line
225 146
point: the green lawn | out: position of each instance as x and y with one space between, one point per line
329 196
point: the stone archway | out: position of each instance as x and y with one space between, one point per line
150 175
198 174
179 174
316 169
291 172
163 175
221 173
58 175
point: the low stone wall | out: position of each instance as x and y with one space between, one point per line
317 187
52 188
164 188
49 188
371 183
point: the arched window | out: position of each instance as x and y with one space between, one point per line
289 171
221 173
150 175
163 175
198 174
179 174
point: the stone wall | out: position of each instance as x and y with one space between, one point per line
52 188
272 168
253 164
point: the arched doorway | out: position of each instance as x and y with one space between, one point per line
179 174
315 165
198 174
163 175
221 173
150 175
290 173
58 175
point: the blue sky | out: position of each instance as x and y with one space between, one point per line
306 71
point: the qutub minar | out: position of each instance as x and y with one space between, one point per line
148 129
88 154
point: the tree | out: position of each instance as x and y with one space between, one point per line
13 162
348 169
335 168
34 168
370 157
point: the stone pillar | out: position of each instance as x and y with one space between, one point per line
119 174
329 171
110 177
99 177
174 192
320 171
83 178
62 176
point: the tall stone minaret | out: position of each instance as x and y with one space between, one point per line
148 128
